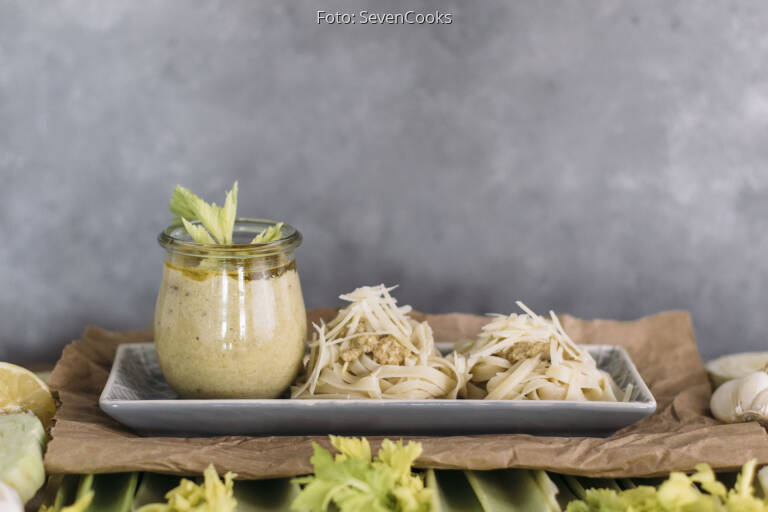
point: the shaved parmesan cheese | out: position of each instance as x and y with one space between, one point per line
372 349
527 357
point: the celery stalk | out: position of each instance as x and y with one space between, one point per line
265 495
153 488
113 492
508 490
452 492
564 493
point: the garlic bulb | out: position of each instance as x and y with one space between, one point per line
734 366
744 399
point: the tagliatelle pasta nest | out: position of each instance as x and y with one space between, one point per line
372 349
525 356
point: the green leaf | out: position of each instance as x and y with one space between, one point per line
399 457
705 477
679 493
183 203
212 495
315 497
197 232
218 222
351 447
270 234
228 214
353 482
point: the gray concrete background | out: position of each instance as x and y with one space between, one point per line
606 159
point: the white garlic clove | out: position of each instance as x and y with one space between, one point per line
760 402
748 388
723 403
744 399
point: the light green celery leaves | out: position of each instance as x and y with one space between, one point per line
352 481
352 447
197 232
342 480
679 493
640 499
228 214
217 223
400 458
705 477
213 495
184 203
742 496
270 234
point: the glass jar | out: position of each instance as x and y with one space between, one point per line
230 319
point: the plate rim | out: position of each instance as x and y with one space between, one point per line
638 405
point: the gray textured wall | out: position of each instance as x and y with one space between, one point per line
596 157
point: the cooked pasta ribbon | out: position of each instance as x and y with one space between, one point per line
373 349
527 357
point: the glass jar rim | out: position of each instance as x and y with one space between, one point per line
175 239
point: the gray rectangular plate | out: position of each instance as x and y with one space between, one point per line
137 395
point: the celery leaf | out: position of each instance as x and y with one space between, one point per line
270 234
679 493
197 232
217 222
212 495
352 481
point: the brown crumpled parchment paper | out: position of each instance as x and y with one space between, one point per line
679 435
